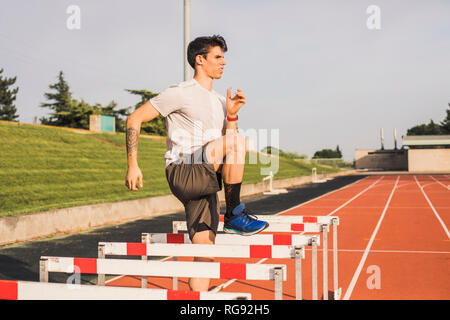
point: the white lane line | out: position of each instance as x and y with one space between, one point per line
432 208
369 245
405 184
446 187
343 205
323 195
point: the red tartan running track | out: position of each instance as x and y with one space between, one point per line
393 242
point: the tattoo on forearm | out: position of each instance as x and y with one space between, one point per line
132 136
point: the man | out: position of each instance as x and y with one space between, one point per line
203 147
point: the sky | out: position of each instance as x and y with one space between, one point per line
318 73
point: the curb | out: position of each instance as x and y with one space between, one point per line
77 219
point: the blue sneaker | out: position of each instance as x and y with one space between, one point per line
242 223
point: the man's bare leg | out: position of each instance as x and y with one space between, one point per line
232 148
202 237
228 150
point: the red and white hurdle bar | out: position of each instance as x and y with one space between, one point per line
258 239
330 220
273 227
235 239
208 250
212 270
298 240
27 290
286 223
324 222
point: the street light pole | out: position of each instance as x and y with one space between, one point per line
187 37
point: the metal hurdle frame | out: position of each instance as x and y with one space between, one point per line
271 189
324 222
205 250
216 270
260 239
101 277
310 227
321 226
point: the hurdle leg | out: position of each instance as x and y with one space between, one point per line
299 254
101 255
278 277
175 279
43 270
325 261
144 239
174 227
314 269
337 291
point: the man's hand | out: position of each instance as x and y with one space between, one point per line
134 176
235 103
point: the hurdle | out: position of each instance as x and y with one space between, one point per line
257 239
29 290
325 222
271 189
314 177
210 250
299 224
143 268
273 227
235 239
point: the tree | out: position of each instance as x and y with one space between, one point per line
445 124
156 126
61 105
80 112
8 110
69 112
431 128
338 152
328 153
270 150
110 110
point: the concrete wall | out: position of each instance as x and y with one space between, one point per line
429 160
381 159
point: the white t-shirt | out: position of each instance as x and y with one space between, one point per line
194 116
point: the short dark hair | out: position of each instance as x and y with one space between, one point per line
201 45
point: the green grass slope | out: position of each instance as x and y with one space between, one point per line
43 168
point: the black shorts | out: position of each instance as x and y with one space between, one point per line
195 183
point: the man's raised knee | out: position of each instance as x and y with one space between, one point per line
235 143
